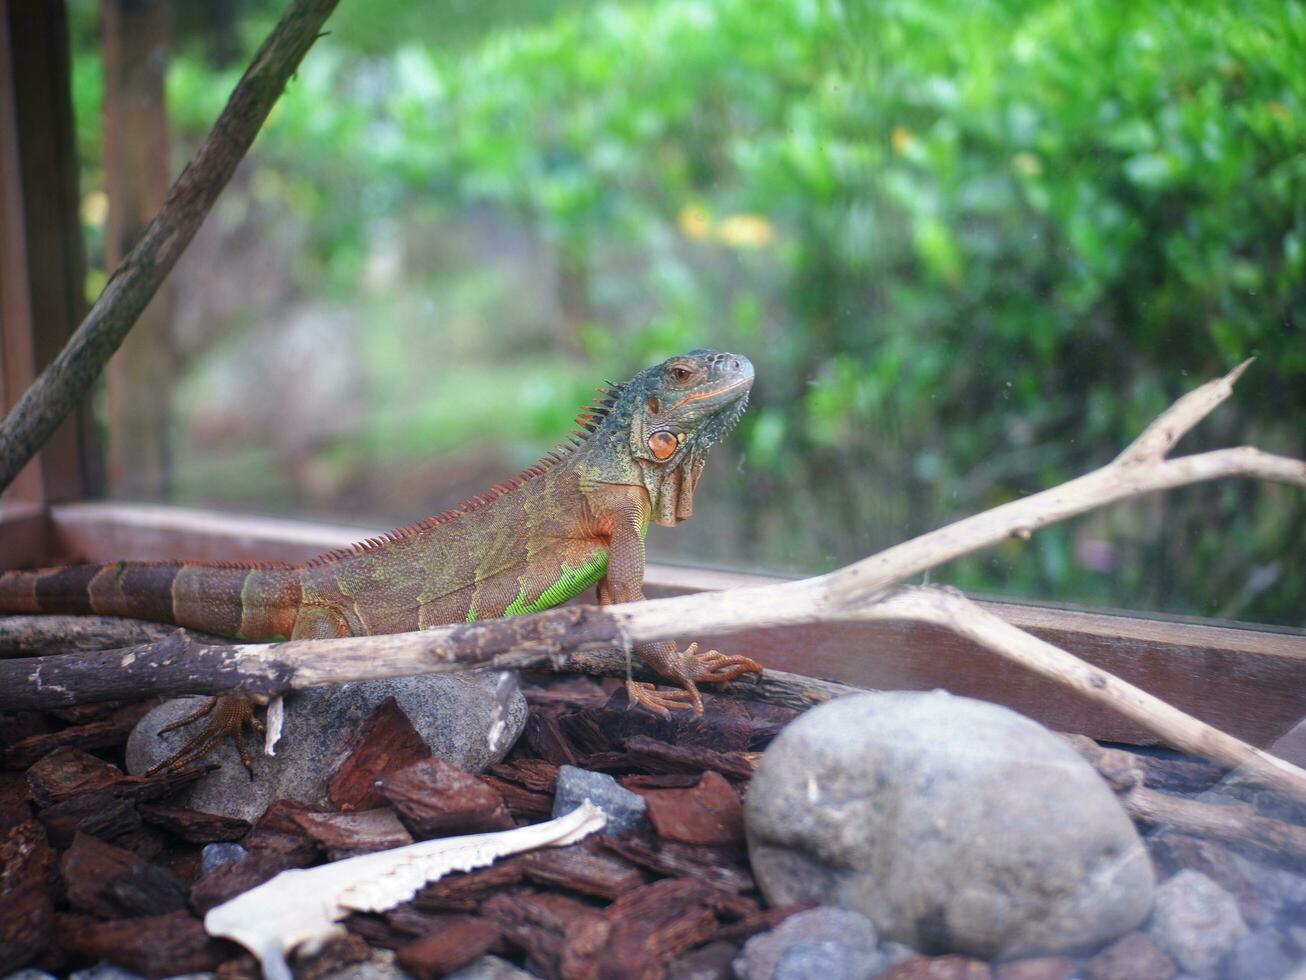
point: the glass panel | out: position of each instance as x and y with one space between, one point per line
972 250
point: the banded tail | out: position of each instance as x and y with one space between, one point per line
246 602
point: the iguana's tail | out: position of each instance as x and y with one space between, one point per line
250 602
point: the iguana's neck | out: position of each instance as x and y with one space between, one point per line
606 456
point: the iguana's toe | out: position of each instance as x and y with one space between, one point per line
230 715
715 667
661 701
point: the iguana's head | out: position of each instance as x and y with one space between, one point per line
670 415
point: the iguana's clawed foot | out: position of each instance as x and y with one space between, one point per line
230 716
662 702
716 667
710 666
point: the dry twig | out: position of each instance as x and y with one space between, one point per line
865 590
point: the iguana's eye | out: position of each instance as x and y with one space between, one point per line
680 373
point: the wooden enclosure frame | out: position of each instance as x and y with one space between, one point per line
1248 680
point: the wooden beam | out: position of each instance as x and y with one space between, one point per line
44 248
1247 680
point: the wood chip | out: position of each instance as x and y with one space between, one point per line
94 735
143 789
114 883
68 771
281 817
153 946
355 833
98 813
435 799
14 806
641 931
449 947
335 955
521 803
580 869
27 891
385 742
535 775
574 692
541 925
465 892
709 813
546 740
652 756
722 868
764 921
192 825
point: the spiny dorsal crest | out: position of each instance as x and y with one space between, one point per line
588 421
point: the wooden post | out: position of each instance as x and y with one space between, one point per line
42 261
136 164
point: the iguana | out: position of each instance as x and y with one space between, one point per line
575 519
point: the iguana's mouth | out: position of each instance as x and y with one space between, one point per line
746 382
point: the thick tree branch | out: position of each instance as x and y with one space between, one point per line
565 638
135 281
24 636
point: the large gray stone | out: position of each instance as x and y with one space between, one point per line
953 824
1196 921
454 713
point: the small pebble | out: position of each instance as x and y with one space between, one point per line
1196 921
1258 956
104 971
625 810
215 855
831 943
489 968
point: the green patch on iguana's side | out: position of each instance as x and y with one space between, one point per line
572 581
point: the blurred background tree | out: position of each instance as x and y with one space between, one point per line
971 248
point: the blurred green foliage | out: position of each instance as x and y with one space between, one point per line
973 248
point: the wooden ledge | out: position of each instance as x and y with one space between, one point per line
1248 680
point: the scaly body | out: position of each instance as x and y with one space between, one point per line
575 520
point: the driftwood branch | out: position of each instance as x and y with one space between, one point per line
866 590
1233 823
70 375
25 636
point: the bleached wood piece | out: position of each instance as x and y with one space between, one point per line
866 590
302 907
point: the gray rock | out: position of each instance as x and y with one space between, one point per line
29 975
104 970
625 810
454 713
1276 887
489 968
834 944
380 966
710 962
1196 921
895 953
955 825
1258 956
215 855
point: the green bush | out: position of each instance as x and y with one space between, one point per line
973 248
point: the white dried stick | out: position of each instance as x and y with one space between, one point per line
302 906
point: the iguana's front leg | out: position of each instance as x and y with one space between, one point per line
228 715
625 583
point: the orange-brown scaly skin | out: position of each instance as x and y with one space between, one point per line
532 542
